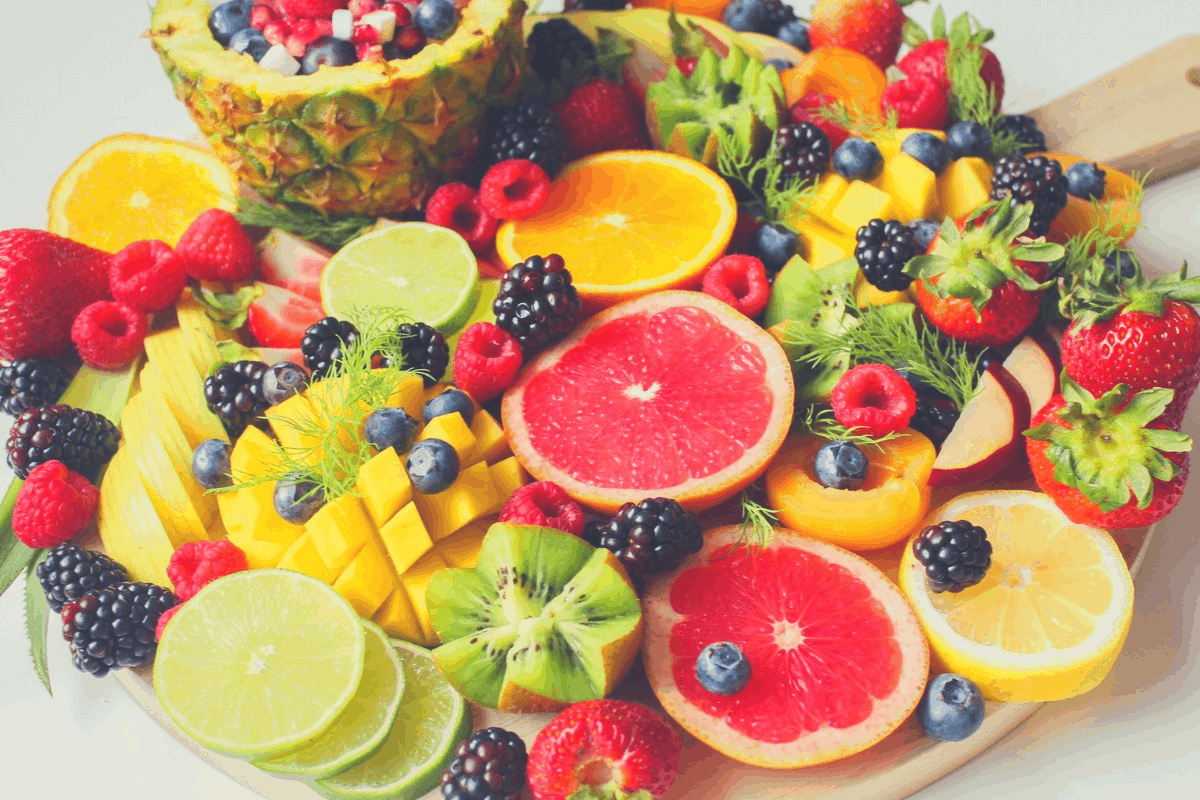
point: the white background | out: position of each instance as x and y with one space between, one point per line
74 71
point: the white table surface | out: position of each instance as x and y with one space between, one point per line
76 70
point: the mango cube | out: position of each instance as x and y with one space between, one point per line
303 557
454 431
397 617
416 581
259 554
253 454
964 186
367 582
913 187
409 394
294 422
861 203
829 191
468 498
461 549
249 513
339 530
490 443
507 476
405 538
384 486
823 245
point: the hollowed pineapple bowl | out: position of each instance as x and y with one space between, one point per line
369 138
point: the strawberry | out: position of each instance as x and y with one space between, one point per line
45 280
871 27
1112 462
604 749
687 43
599 116
278 318
976 284
939 56
809 109
1141 333
919 102
293 264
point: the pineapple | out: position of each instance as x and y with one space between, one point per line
370 138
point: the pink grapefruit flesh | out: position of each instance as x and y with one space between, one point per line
837 657
674 394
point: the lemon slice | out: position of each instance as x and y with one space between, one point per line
1050 617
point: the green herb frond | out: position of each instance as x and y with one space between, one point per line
859 121
971 99
760 177
757 529
821 422
1113 227
307 223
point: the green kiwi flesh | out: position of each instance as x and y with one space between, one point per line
537 613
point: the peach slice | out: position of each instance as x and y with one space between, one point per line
987 437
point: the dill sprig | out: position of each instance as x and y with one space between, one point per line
971 99
859 121
757 528
1112 228
821 422
784 205
307 223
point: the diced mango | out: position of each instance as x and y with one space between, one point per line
405 538
829 191
254 454
250 513
490 443
468 498
397 617
259 554
367 582
865 294
303 557
823 245
384 486
339 529
295 423
461 549
452 429
416 581
409 394
964 186
860 204
913 188
507 476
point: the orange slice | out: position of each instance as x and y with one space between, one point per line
131 187
628 223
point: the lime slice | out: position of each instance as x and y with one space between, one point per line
259 662
422 270
362 727
481 302
432 720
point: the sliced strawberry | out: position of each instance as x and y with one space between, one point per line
292 263
279 318
273 355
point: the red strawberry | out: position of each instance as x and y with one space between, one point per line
215 247
871 27
614 748
686 65
310 9
600 116
977 285
293 264
929 56
919 102
1112 462
808 109
279 318
45 280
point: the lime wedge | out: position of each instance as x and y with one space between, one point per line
422 270
362 727
432 720
259 662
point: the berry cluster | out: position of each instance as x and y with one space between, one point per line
652 536
772 17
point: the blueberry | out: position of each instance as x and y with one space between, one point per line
251 42
229 18
924 230
745 15
210 464
930 150
328 52
432 466
795 33
779 64
774 245
722 668
282 380
436 18
857 159
390 427
296 499
969 139
449 402
840 465
1128 265
1085 179
951 708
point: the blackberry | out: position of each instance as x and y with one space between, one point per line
235 394
559 52
425 349
537 303
530 130
488 766
1038 180
882 249
82 440
1029 138
323 342
801 149
69 572
648 537
956 555
31 382
114 628
934 417
775 16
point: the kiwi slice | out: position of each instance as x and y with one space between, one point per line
544 620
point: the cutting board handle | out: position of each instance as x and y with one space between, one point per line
1142 117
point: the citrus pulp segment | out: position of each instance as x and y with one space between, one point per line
259 662
1050 616
628 223
131 187
837 657
362 727
432 719
673 394
425 272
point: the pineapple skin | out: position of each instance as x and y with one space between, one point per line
371 138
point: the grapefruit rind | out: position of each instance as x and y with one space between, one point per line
826 744
696 494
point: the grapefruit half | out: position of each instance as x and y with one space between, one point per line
837 657
674 394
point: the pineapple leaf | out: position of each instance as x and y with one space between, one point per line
307 223
37 622
15 557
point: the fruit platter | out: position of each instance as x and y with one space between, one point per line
639 402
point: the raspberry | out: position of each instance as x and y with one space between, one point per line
486 361
873 399
196 564
163 619
216 248
365 51
920 102
457 206
109 335
808 109
360 8
514 189
365 34
544 503
276 31
147 275
53 505
261 14
740 281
